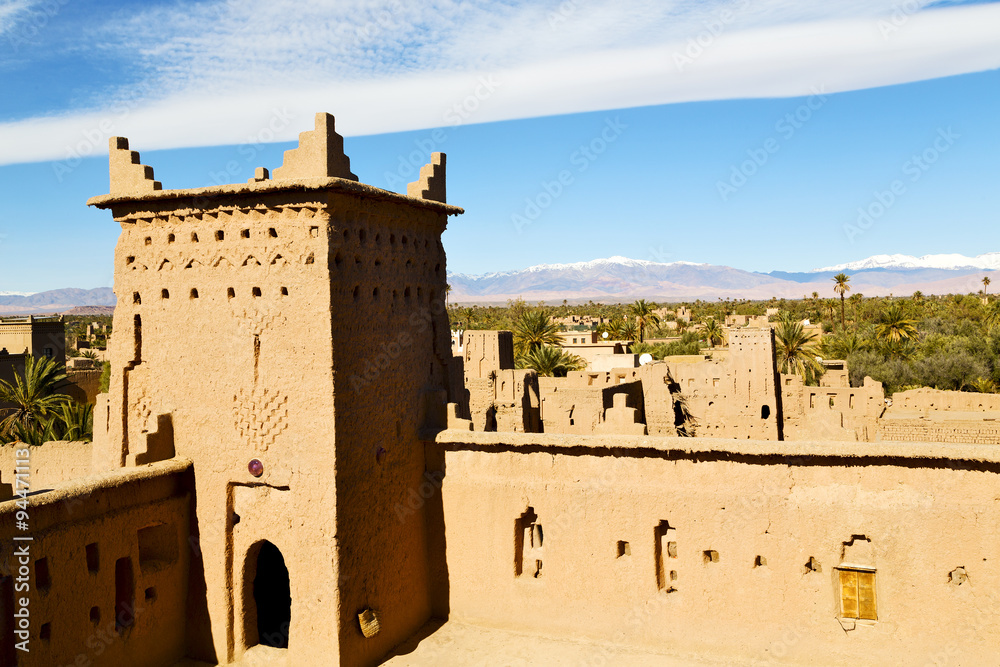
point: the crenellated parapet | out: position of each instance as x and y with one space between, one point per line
431 184
128 176
320 154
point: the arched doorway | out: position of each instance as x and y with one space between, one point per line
271 597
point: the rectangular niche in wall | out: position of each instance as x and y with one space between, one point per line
528 545
857 594
157 546
664 552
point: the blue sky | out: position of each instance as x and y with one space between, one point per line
760 134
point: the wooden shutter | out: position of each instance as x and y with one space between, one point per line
857 594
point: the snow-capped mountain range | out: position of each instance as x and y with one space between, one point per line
622 278
989 261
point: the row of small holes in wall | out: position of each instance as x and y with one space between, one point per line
249 261
362 236
338 259
193 294
395 293
220 235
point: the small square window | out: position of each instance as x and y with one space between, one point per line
857 594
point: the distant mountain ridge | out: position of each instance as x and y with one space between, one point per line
989 261
55 301
625 279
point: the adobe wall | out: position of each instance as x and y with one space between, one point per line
737 397
297 321
926 399
52 464
831 412
84 385
496 396
729 550
577 403
107 548
36 335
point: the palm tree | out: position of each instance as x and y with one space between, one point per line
549 361
644 315
894 327
532 330
984 386
34 397
88 354
77 421
621 328
795 350
841 287
986 283
991 320
713 332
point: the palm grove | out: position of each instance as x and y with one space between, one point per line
945 342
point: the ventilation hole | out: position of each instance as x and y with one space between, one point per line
93 558
194 294
406 292
230 292
357 259
245 234
409 263
711 556
171 238
129 260
42 579
420 292
149 240
135 298
374 294
164 294
284 291
124 595
357 292
394 294
624 549
392 239
95 615
378 238
276 258
310 259
760 561
338 259
220 235
194 237
347 233
45 632
437 268
314 232
151 594
272 233
404 239
361 235
256 291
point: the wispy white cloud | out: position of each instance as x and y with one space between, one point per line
11 11
216 71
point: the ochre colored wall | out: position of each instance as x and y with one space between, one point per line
790 503
140 515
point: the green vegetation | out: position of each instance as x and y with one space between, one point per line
947 342
551 361
795 350
644 316
39 412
